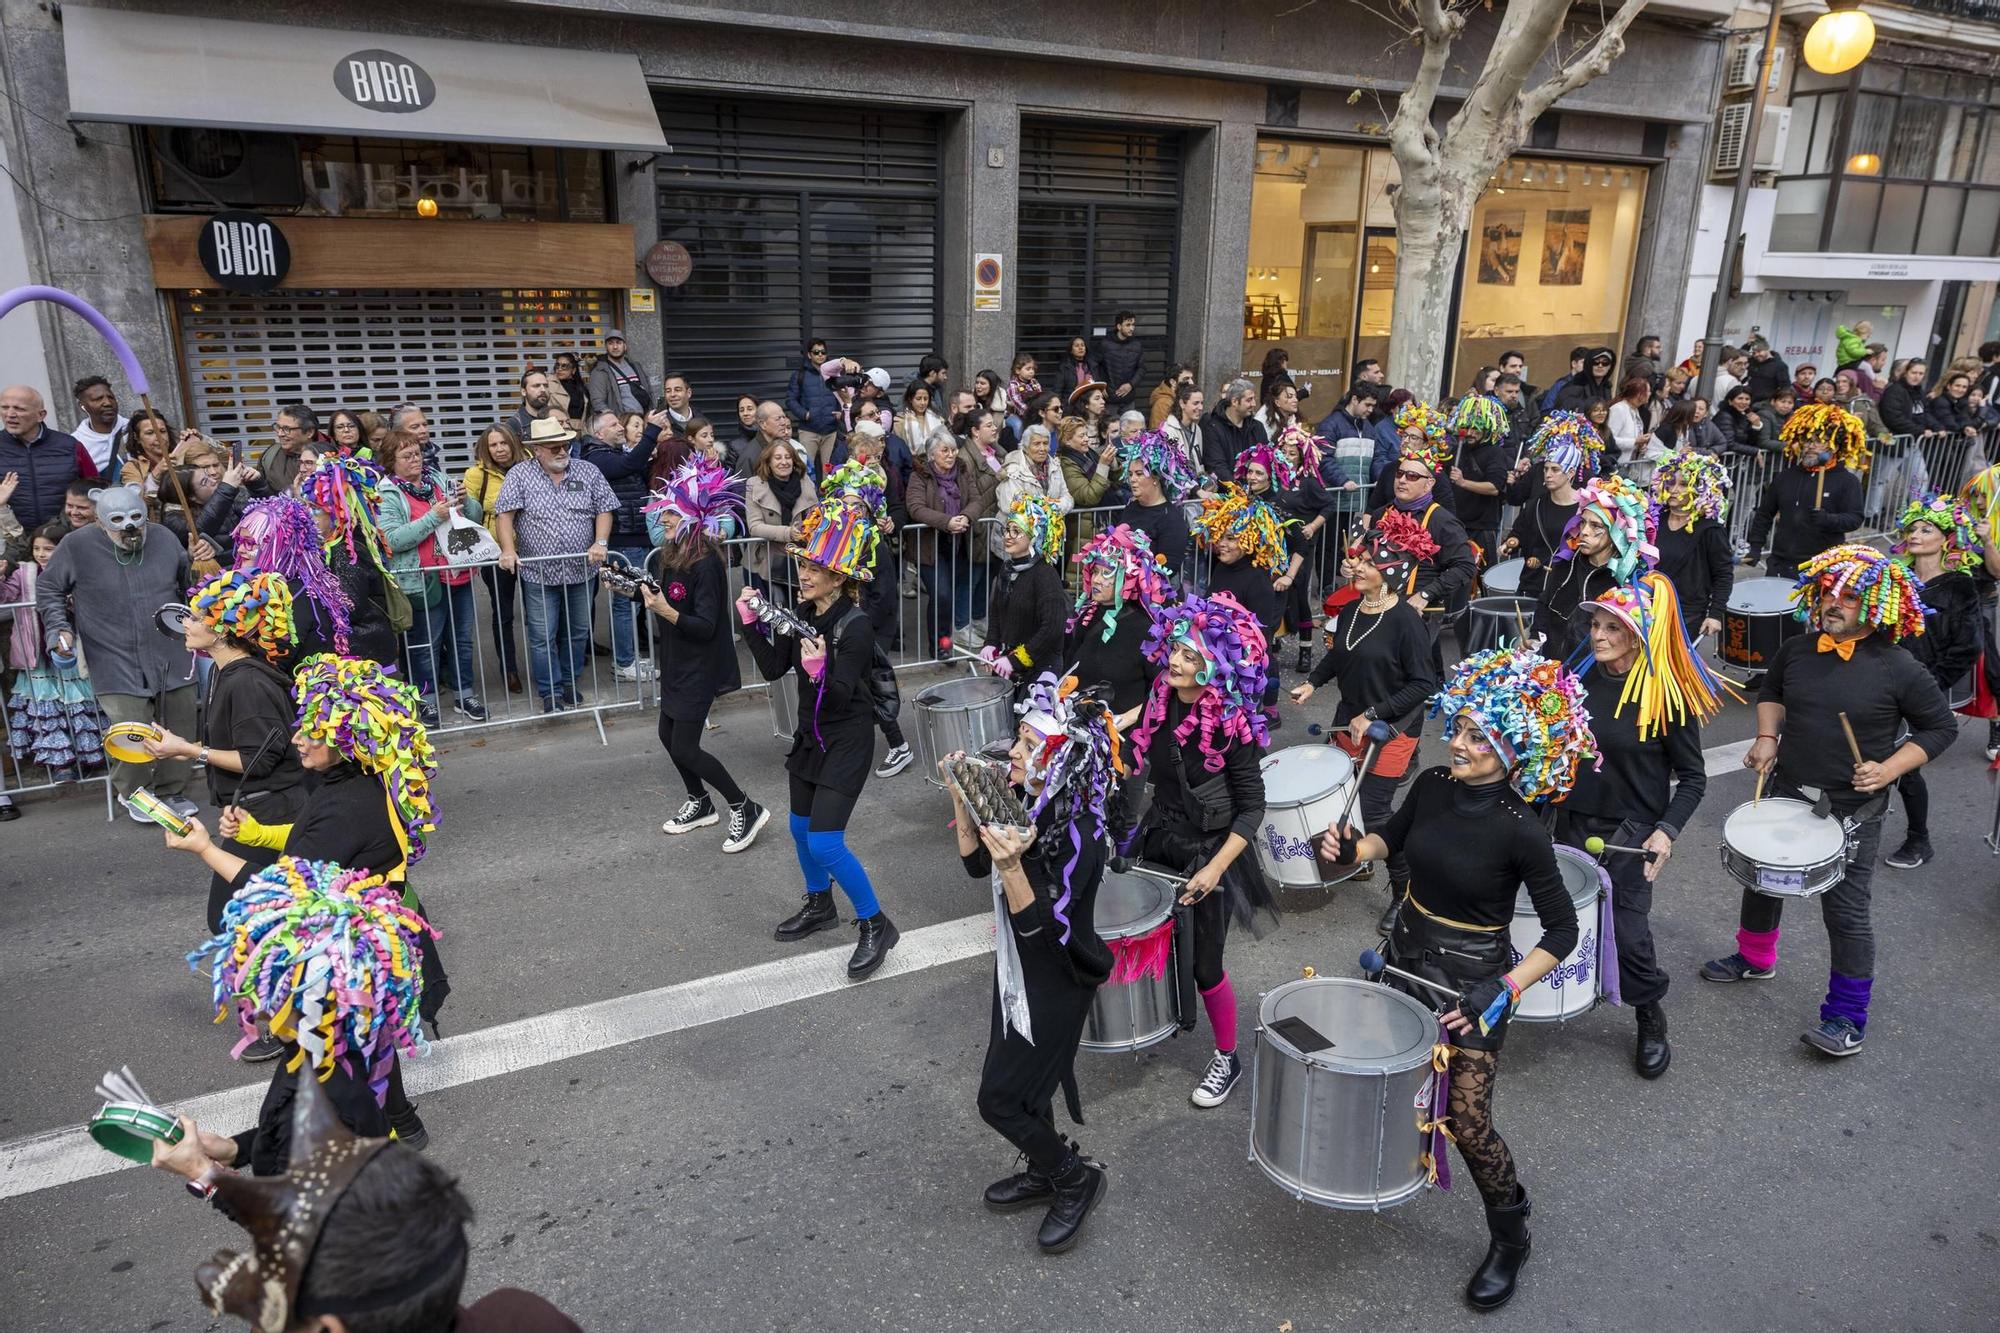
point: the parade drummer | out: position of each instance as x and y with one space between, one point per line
1566 447
1692 490
1024 623
1200 737
1816 498
1516 731
1436 581
1269 476
1380 652
1420 433
279 535
1250 561
1935 542
1050 962
342 496
833 744
1478 470
1124 584
1852 672
358 729
1161 475
1609 544
695 508
1648 695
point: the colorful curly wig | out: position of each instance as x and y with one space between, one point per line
1629 514
347 491
1234 672
1076 764
856 482
1532 711
1041 518
1429 422
703 496
1948 516
1824 428
370 718
1888 592
1276 466
1257 527
1138 574
1697 478
254 609
1477 419
1568 440
1165 458
278 535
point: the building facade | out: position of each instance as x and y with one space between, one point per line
895 179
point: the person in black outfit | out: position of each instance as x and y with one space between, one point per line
1252 563
1592 385
1515 737
1160 475
1693 492
1304 508
1816 500
831 749
1124 585
1024 624
1121 359
342 496
1851 673
1050 961
1380 652
1768 371
1607 545
1435 582
1230 429
689 597
1938 547
1648 695
1477 479
1199 739
1567 450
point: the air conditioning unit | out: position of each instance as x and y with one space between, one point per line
237 169
1732 127
1739 71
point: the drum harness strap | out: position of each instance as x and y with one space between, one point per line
1410 583
1435 1124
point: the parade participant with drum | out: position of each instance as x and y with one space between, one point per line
1269 476
1648 696
1607 545
1380 652
834 741
1568 447
1436 582
1124 585
1831 716
1199 739
1024 625
1692 488
1936 544
279 535
1516 731
1161 475
1246 537
1049 960
1816 500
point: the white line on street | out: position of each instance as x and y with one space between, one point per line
1721 759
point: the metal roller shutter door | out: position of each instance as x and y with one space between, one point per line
1099 233
456 354
745 182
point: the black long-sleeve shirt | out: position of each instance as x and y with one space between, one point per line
346 820
1388 669
1470 850
1175 768
1950 642
834 746
1636 777
1026 618
1808 518
1696 561
1478 511
1251 585
1881 690
1559 617
1119 661
1437 577
1537 531
250 711
1165 525
1086 958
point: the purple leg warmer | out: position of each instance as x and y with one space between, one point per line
1847 997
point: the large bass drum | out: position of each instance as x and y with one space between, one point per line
1305 787
1577 983
1756 621
1136 1008
1340 1087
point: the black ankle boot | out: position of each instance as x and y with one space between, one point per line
1492 1286
818 913
1652 1055
1078 1185
878 936
1024 1190
410 1131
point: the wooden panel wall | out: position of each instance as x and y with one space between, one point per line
401 253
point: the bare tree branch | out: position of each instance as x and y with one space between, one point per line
1411 133
1595 60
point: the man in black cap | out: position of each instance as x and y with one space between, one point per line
616 385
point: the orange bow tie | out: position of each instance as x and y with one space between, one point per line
1829 644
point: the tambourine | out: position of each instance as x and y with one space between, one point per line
171 619
126 741
131 1128
148 806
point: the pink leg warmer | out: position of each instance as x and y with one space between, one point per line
1221 1005
1758 947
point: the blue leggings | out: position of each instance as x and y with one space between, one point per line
819 832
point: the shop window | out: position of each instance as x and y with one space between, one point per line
1310 205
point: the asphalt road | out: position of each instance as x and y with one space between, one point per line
816 1164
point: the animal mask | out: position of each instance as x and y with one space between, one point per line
121 512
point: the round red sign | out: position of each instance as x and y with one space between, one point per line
669 263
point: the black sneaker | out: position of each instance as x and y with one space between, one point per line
409 1130
1735 968
427 712
470 708
1220 1080
550 704
695 812
266 1047
1913 853
1834 1036
746 821
894 762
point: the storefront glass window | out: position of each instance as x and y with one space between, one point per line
1308 207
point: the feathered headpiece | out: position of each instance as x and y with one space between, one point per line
1039 517
348 492
278 534
255 608
1888 593
1628 514
1532 711
1568 440
1393 544
865 484
1668 682
1698 478
370 718
1824 428
1235 668
701 495
1478 419
329 957
1076 764
1164 458
1948 516
1138 573
838 536
1275 465
1255 525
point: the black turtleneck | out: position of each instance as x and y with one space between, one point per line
1118 661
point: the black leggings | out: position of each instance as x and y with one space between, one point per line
1916 803
696 765
826 810
1485 1153
1211 932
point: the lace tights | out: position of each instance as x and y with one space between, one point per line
1484 1152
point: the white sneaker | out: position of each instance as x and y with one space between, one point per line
639 670
968 636
1219 1081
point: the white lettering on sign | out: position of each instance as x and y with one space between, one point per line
245 249
385 83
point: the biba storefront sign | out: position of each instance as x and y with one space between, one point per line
243 252
384 81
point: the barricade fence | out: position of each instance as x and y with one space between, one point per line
21 773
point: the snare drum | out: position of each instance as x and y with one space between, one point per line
1504 579
1134 917
1779 847
1496 620
967 714
1757 618
1305 787
1340 1086
131 1128
1576 984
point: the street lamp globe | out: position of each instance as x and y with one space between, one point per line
1839 39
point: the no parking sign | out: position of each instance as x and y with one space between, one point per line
987 271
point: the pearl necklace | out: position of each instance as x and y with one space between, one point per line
1361 609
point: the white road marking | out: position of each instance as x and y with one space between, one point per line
58 1157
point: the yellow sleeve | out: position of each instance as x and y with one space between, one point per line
255 833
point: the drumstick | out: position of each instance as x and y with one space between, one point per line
1598 846
1375 965
1379 734
1758 794
1853 746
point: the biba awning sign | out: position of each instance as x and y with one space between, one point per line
384 81
244 252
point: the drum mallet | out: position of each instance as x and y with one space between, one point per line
1379 734
1125 865
1598 847
1853 746
1374 964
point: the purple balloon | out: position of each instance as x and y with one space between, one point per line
71 301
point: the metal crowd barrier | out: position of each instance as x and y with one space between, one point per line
19 775
1898 468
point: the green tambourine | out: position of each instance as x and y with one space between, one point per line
131 1128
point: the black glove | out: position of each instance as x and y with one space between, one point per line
1477 998
1345 843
